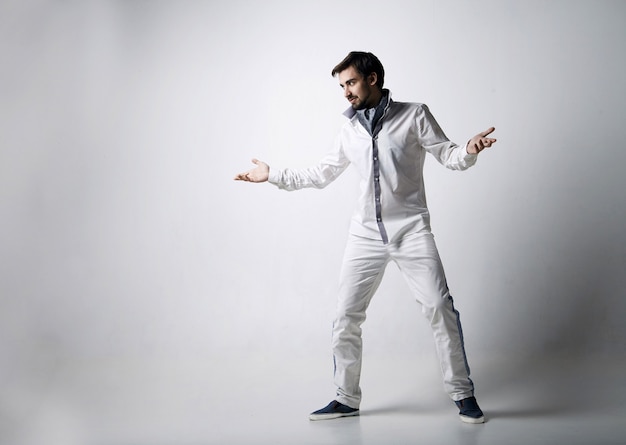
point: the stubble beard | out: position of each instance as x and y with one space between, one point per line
362 104
359 104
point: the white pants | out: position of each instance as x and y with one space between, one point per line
362 271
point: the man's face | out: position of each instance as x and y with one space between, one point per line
361 92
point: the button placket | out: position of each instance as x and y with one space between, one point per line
376 168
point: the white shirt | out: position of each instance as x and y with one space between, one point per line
392 202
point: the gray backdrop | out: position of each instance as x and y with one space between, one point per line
123 235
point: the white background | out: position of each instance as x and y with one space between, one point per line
124 238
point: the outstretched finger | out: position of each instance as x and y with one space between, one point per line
487 132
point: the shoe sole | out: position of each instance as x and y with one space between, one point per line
472 420
332 416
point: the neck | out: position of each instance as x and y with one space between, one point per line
375 98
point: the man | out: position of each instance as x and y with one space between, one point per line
387 142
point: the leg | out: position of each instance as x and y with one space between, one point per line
363 267
419 261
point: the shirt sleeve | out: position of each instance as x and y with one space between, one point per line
433 140
318 176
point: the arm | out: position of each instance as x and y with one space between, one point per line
449 154
319 176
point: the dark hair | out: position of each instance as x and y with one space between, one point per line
365 64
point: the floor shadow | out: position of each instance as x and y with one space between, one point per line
528 413
402 408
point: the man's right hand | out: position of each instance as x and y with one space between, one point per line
258 174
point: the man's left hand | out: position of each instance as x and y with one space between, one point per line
479 142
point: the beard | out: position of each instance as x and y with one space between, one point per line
365 101
360 104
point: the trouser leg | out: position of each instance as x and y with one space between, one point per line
419 261
363 267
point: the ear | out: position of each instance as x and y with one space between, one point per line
372 79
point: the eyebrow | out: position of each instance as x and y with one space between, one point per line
347 81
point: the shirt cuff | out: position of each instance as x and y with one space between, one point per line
274 176
468 155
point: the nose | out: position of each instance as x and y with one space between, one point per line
346 92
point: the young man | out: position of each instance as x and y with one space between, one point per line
387 142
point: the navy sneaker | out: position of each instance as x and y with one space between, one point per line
469 411
333 410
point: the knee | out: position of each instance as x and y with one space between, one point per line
438 307
347 325
349 319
